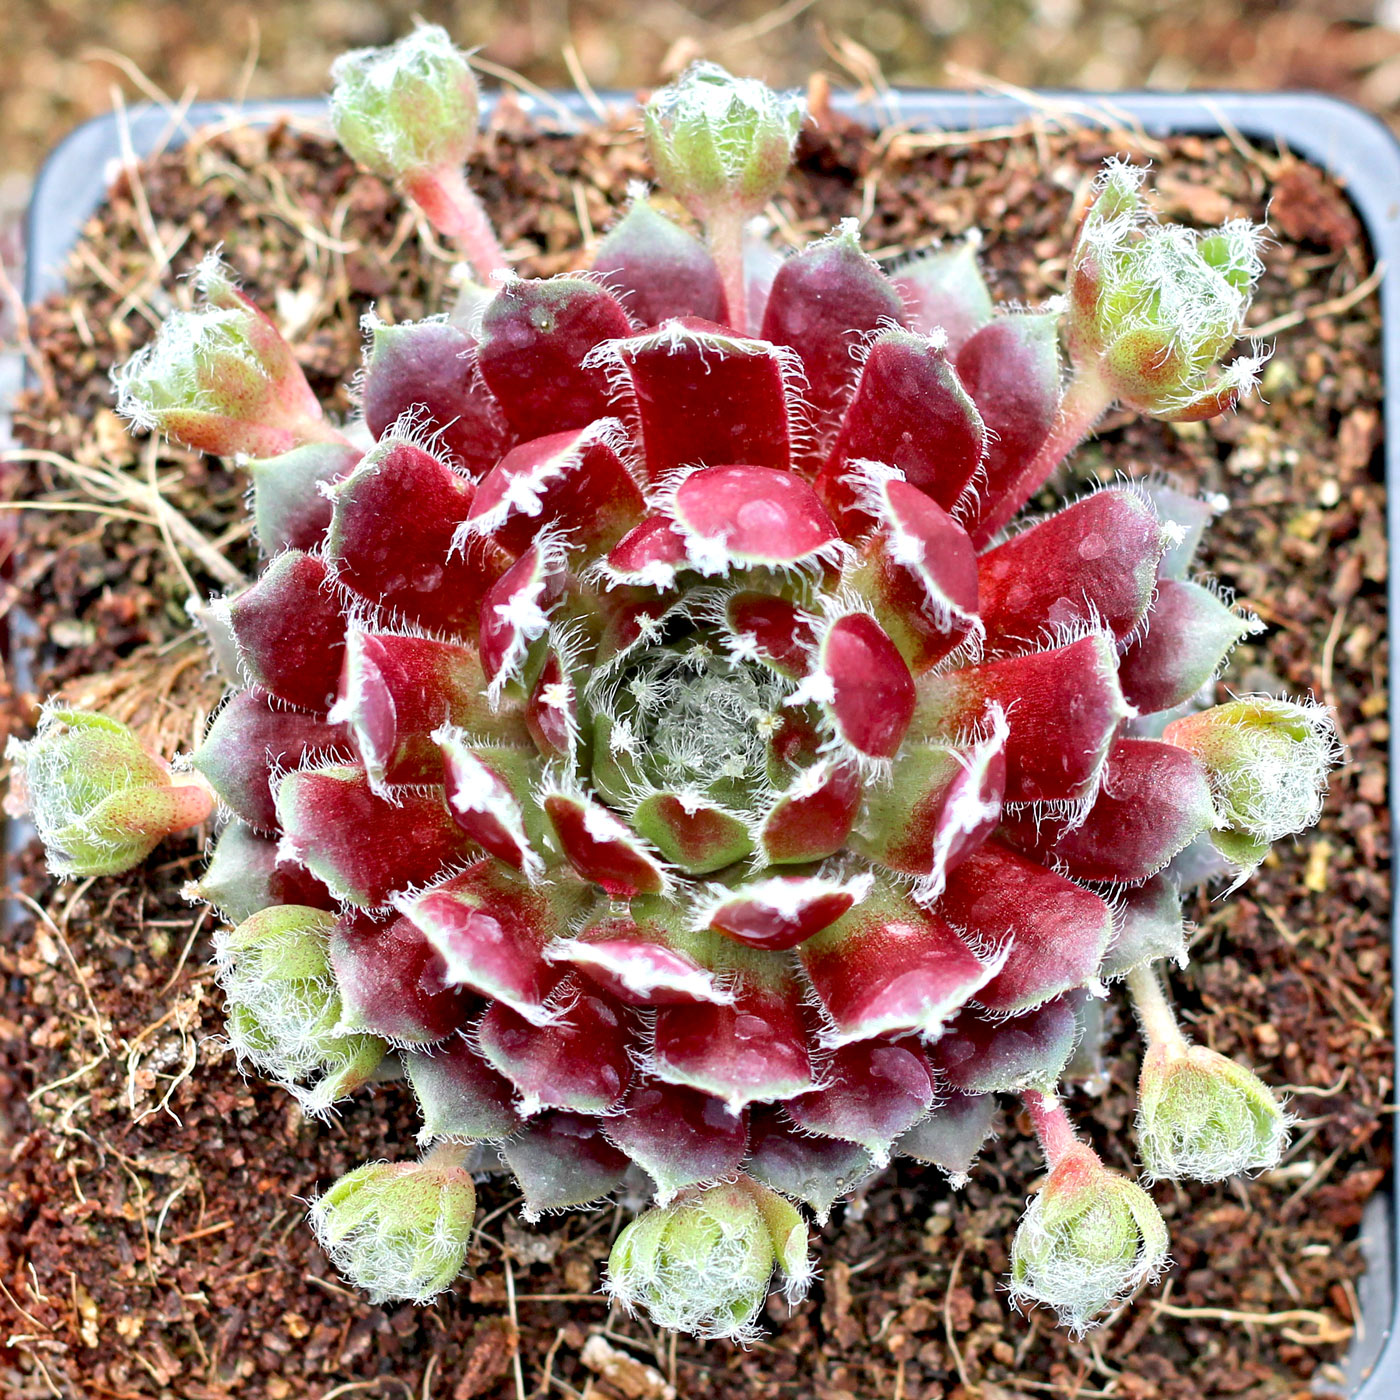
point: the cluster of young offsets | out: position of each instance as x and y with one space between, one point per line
647 735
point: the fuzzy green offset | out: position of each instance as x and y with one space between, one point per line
647 736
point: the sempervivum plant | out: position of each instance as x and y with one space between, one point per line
647 732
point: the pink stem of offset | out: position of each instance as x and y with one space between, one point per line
449 204
1051 1123
1085 401
725 233
1153 1009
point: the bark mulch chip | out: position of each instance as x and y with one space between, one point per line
151 1215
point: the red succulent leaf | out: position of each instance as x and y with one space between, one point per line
862 684
770 629
782 911
601 848
516 609
657 270
576 480
941 802
289 632
363 846
911 412
702 396
920 570
1155 800
392 981
738 517
751 1049
244 876
814 816
1062 707
1052 932
1092 563
491 929
398 688
535 337
890 965
489 792
428 369
391 540
1011 367
551 712
578 1060
645 957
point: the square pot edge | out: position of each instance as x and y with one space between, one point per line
1352 145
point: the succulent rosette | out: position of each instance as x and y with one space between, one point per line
662 750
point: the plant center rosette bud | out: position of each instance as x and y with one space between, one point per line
653 743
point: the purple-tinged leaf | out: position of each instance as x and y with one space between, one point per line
1147 927
290 510
1004 1055
870 1093
678 1136
943 290
563 1161
1189 634
243 876
459 1095
657 270
815 1170
822 302
250 741
952 1135
428 369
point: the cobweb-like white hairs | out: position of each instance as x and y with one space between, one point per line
1201 1117
1082 1256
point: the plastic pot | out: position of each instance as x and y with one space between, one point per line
1353 146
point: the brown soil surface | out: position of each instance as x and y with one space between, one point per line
152 1242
